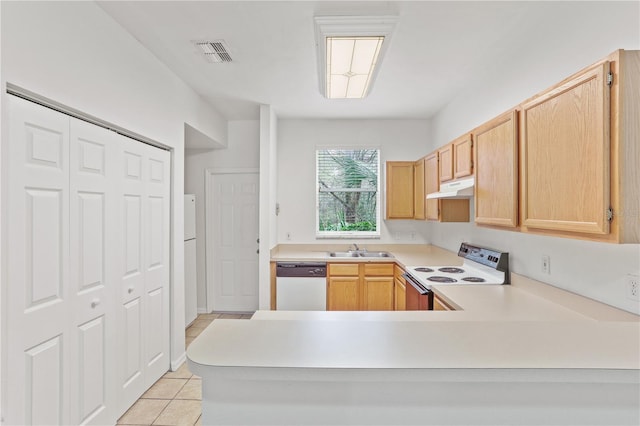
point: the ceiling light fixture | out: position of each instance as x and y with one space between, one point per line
350 49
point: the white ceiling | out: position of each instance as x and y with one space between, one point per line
436 49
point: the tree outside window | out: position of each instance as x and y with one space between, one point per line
347 197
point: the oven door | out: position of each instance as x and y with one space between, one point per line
418 298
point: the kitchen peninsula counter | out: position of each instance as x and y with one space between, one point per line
525 353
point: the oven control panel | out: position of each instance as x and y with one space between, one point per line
492 258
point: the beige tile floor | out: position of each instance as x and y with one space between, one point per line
175 399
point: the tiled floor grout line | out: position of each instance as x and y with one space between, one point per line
200 323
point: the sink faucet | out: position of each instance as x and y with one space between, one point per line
358 249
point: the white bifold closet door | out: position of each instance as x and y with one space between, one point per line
144 276
70 343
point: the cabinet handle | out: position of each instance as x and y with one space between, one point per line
95 302
130 290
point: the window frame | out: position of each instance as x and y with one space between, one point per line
348 234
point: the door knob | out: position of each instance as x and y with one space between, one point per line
95 302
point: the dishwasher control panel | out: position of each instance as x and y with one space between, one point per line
301 269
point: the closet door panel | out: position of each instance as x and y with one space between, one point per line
37 294
156 210
94 246
131 327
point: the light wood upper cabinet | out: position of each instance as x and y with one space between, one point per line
496 171
431 185
419 190
579 153
565 155
462 156
443 210
445 164
456 159
400 191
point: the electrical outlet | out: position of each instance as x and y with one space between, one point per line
546 264
633 287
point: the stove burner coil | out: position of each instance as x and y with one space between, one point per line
421 269
451 270
474 279
439 279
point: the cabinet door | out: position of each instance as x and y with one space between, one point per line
400 292
418 190
445 155
462 156
440 305
377 294
400 189
565 155
431 185
496 170
343 294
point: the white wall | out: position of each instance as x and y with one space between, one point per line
243 151
269 162
588 32
75 54
297 143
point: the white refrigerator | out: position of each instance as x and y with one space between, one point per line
190 277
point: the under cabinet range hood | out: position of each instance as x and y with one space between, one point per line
462 188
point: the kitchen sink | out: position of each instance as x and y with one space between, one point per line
360 254
343 254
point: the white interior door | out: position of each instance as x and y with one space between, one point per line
232 241
94 225
38 339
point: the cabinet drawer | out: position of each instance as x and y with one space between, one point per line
397 272
378 269
343 269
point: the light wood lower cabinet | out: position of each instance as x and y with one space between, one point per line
400 289
343 294
363 286
377 294
441 305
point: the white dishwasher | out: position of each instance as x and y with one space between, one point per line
301 286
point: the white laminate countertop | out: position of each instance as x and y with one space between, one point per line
404 254
416 344
526 325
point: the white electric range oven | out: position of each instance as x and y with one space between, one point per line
481 266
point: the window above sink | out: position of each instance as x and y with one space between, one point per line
347 197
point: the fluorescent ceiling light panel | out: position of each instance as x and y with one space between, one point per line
350 49
350 65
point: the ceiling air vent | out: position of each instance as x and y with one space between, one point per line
214 51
